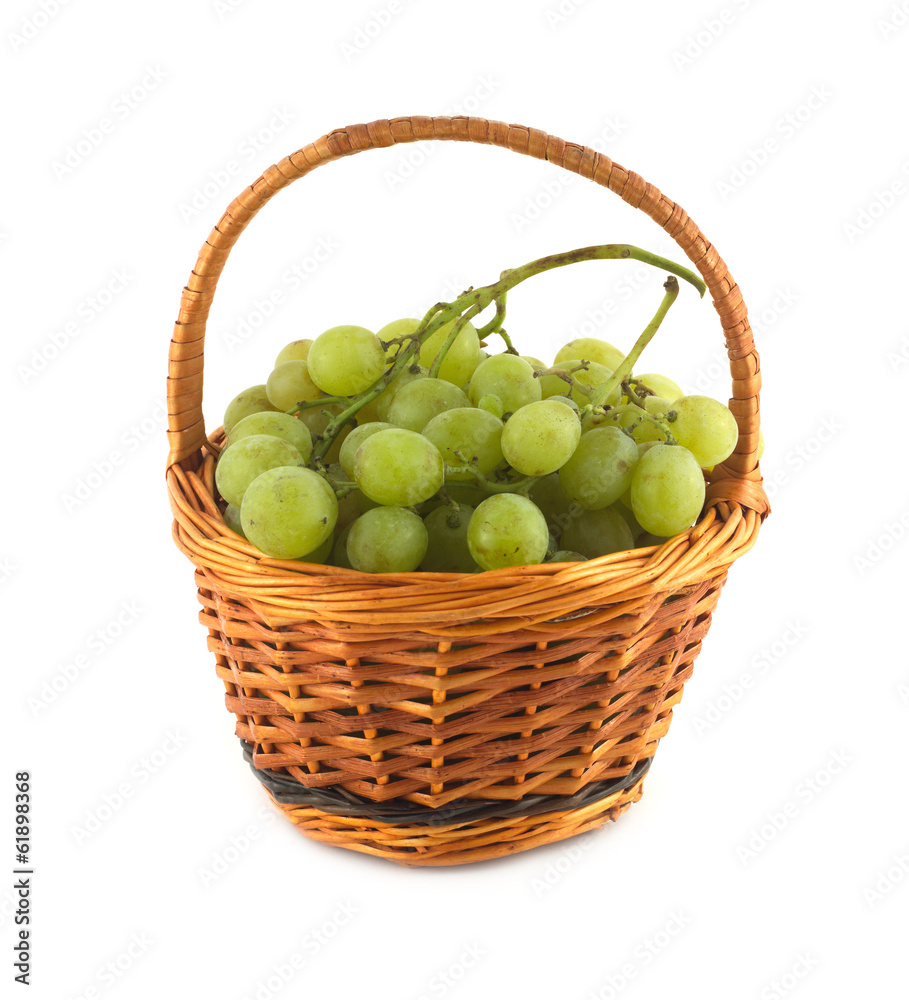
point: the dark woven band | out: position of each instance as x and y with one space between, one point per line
337 801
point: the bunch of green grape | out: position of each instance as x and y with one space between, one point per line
491 461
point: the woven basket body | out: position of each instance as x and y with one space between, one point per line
437 719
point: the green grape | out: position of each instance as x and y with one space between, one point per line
352 504
462 358
317 419
639 421
334 452
507 530
462 493
624 415
600 469
646 429
491 404
706 428
532 361
339 555
590 349
252 400
565 401
398 467
321 553
656 404
553 385
473 434
448 551
643 447
760 447
279 425
591 378
667 490
232 519
540 437
296 350
288 511
387 540
290 384
349 510
369 412
628 514
353 441
386 397
391 331
345 360
508 377
661 385
585 381
558 510
598 533
596 418
566 555
247 459
645 540
416 403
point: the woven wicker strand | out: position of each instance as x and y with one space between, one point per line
454 692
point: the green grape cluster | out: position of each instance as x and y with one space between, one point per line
405 450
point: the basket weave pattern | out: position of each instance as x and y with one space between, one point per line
448 690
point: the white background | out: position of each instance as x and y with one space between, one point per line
769 855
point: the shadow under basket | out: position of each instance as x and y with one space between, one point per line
442 718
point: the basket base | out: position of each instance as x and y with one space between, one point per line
420 845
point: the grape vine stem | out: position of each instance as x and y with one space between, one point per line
472 302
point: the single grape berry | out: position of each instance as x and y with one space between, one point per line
398 467
345 360
507 530
387 540
541 437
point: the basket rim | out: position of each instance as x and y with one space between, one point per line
283 593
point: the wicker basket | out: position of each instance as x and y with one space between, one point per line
437 719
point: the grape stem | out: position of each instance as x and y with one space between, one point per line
450 339
488 485
453 518
341 486
661 425
495 326
636 393
563 373
308 404
602 392
472 302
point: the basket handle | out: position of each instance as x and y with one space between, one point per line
737 480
